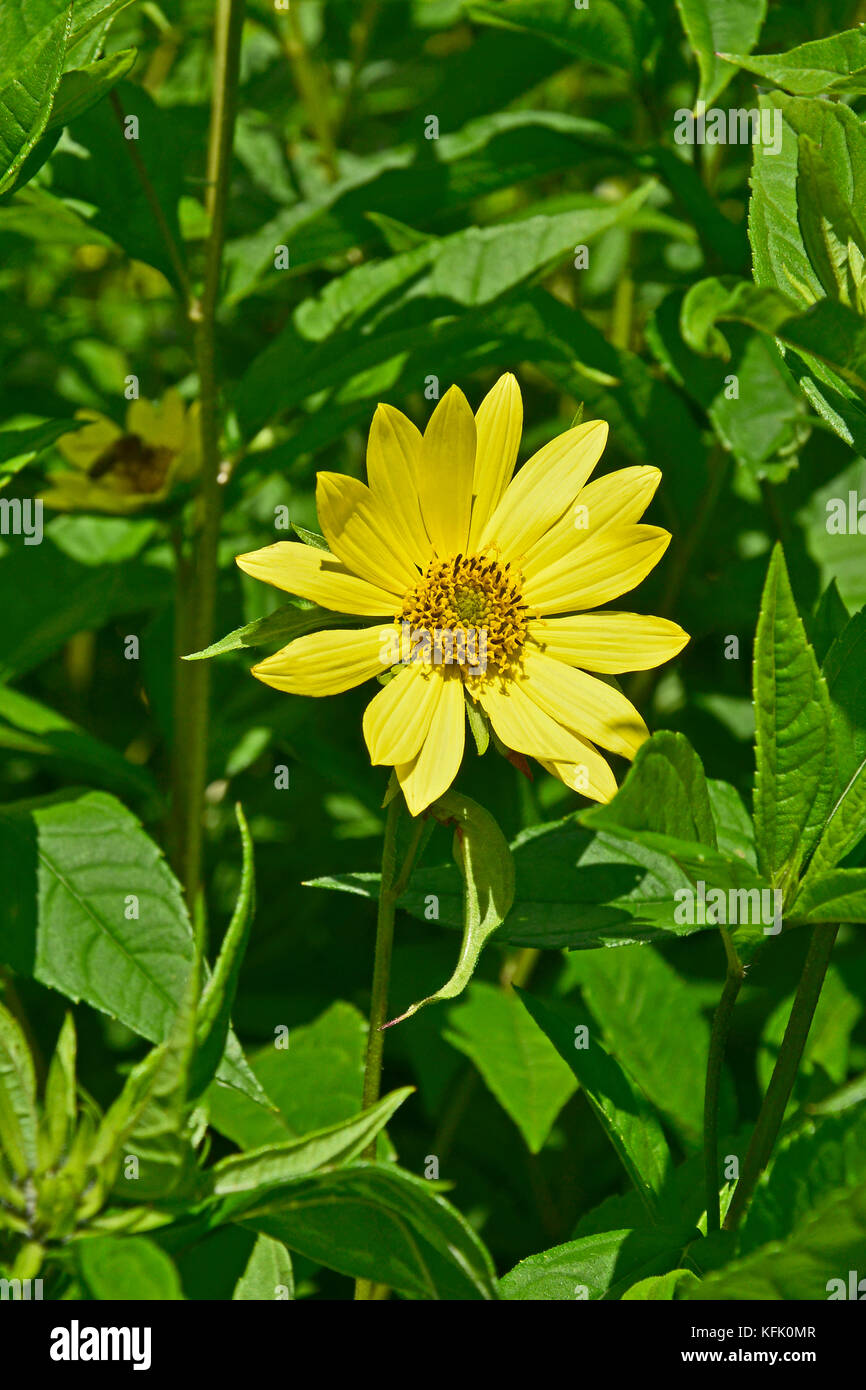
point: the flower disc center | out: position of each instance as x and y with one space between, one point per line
472 595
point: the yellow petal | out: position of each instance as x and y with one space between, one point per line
397 720
446 467
619 498
429 775
543 490
360 532
316 574
601 569
591 707
326 663
393 464
522 725
83 447
499 423
161 426
591 777
609 642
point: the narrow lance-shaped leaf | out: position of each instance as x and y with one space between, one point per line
18 1115
485 862
213 1015
794 747
259 1169
624 1113
60 1108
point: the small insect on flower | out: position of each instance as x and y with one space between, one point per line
482 582
124 471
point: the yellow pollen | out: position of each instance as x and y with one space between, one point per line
471 594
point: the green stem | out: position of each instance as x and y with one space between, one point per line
391 887
785 1071
194 678
715 1061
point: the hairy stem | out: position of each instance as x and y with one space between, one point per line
721 1029
194 678
785 1071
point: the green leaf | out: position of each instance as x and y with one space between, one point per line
33 41
832 234
828 1242
375 1222
82 88
268 1274
827 330
26 726
836 64
627 991
279 628
661 1287
809 1167
129 1269
18 1114
845 673
596 1267
316 1081
76 868
614 33
714 27
665 791
90 22
831 619
624 1114
259 1169
484 859
794 751
839 896
469 268
827 1052
845 827
213 1014
60 1104
18 447
779 254
519 1066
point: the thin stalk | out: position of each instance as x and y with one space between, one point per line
195 677
785 1071
721 1029
391 887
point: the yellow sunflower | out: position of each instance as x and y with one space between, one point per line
482 581
124 470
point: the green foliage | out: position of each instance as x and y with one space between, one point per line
387 200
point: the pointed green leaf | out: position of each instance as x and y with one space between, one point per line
18 1114
268 1274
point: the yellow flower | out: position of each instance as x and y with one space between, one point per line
123 471
445 542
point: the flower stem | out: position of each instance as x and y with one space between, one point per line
785 1071
195 678
391 887
721 1029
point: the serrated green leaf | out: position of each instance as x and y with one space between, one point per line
33 41
81 88
838 896
834 64
794 745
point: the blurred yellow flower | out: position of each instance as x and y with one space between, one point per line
124 471
474 572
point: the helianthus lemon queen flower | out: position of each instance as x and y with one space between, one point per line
123 471
445 541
